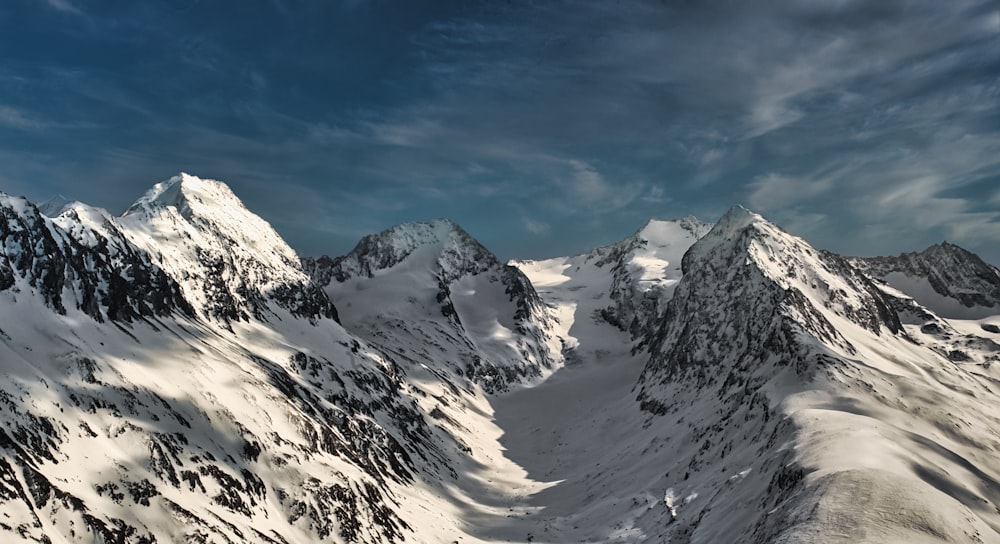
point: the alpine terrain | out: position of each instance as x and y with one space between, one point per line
177 373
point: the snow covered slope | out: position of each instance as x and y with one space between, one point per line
624 284
432 294
82 261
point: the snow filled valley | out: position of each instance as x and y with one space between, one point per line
179 374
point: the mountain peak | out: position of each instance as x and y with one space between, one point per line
233 262
660 231
738 217
188 194
54 206
440 244
417 233
946 278
729 228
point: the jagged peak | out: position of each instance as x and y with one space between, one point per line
727 230
939 276
947 248
775 288
738 218
447 247
410 235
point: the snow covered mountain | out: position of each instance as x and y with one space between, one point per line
230 263
432 292
624 284
944 277
788 368
178 374
173 375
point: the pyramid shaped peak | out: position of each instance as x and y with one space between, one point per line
730 234
184 191
54 205
738 217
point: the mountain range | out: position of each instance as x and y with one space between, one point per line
177 373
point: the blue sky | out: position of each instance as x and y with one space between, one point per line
544 128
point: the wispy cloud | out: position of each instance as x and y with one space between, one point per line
774 191
535 227
18 119
64 6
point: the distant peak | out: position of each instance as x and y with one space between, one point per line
54 206
418 233
446 247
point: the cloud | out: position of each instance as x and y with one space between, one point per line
774 191
18 119
587 184
65 6
535 227
868 123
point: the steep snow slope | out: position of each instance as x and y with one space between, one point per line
81 261
431 293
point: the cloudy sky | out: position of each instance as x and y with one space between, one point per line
543 127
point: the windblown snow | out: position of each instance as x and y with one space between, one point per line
178 374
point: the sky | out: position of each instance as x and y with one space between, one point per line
544 128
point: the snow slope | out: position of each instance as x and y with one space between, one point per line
230 263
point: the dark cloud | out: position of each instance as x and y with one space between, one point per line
867 127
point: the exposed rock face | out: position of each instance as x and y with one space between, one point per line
749 290
189 383
82 259
644 270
